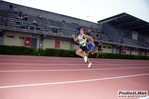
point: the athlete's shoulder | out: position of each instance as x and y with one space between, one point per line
79 36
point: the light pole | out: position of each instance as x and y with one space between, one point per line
91 18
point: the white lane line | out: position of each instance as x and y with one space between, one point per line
65 64
70 70
33 60
75 81
50 59
55 59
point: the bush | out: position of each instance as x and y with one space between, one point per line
41 52
21 50
120 56
60 52
17 50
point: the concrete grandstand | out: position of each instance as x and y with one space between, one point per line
123 33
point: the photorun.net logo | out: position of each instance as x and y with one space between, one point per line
133 94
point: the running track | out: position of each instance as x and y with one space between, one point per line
38 77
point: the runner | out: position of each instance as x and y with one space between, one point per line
90 48
82 43
99 48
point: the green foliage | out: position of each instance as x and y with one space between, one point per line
17 50
60 52
41 52
21 50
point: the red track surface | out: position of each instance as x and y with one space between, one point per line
32 77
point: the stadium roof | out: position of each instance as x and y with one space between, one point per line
127 22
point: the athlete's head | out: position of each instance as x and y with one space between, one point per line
82 31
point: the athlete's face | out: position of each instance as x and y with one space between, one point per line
81 31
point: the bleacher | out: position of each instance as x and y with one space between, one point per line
138 43
143 43
71 25
47 26
129 41
56 23
7 16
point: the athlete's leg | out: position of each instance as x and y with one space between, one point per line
92 52
79 52
98 53
89 62
88 52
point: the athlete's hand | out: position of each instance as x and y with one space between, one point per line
73 35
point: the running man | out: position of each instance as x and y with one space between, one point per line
99 48
90 48
82 43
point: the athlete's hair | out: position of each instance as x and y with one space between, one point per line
83 29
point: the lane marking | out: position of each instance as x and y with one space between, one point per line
69 70
47 59
65 64
74 81
71 58
64 59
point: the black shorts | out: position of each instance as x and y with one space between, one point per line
84 48
99 49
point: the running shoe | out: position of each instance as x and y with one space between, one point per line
89 65
85 59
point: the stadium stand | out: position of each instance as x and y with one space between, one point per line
71 25
113 30
125 22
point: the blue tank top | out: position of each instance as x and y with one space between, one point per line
90 44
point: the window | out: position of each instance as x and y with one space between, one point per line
104 46
21 38
54 30
135 50
109 47
1 34
127 49
59 31
8 36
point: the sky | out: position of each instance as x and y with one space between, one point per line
91 10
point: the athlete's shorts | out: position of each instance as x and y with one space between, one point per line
99 49
84 48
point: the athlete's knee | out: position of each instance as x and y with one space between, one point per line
77 52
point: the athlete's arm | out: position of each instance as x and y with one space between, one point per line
101 46
74 38
89 37
86 44
77 42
